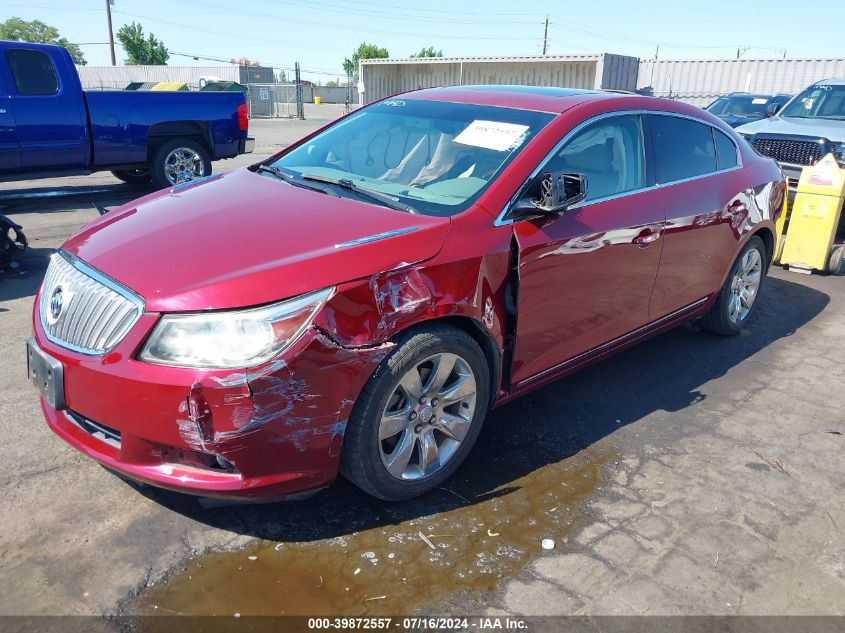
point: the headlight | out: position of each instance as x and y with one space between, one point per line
747 137
232 339
839 153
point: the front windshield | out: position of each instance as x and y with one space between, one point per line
822 101
745 106
433 156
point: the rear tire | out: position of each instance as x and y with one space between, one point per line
133 176
179 160
738 297
419 414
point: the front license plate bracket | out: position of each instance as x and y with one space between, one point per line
47 374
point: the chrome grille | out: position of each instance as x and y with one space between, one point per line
791 151
82 309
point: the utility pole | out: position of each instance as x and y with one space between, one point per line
546 34
300 107
111 34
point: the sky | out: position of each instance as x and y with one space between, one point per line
319 34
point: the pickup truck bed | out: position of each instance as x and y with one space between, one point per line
49 126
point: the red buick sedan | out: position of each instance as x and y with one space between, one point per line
358 302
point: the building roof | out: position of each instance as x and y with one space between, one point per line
589 57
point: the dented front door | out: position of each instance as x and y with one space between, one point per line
586 276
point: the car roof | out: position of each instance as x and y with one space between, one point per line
833 81
558 100
33 45
768 95
540 98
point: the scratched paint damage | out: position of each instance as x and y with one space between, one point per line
288 404
300 404
399 292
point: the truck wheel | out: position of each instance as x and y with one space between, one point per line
738 295
179 160
418 415
133 176
836 264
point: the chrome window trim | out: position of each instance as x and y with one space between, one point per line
503 220
378 236
109 283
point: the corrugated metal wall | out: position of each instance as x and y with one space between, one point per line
118 77
700 81
618 72
695 81
382 78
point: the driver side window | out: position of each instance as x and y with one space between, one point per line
609 152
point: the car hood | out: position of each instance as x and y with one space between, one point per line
830 129
735 120
245 239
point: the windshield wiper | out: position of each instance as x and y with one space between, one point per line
290 178
345 183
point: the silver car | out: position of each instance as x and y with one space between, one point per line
805 130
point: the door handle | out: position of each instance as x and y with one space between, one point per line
647 237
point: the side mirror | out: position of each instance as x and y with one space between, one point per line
773 108
552 193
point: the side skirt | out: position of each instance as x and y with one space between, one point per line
683 315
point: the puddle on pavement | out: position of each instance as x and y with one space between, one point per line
390 569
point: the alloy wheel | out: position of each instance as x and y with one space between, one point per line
427 416
745 284
183 165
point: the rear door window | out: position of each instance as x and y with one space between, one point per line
682 148
609 152
725 150
33 72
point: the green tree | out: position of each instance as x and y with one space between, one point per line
140 49
429 51
364 51
20 30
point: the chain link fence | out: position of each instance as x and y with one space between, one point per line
273 101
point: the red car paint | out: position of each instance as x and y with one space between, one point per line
586 284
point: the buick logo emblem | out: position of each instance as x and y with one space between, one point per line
56 303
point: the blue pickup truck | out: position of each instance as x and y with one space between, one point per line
50 127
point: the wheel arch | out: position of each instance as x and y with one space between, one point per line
487 344
160 133
767 235
477 331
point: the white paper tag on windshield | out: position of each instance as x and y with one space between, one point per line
759 101
491 135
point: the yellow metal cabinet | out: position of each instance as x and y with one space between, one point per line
815 217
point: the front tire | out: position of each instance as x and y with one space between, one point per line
419 415
738 296
178 161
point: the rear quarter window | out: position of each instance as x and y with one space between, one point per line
33 72
725 150
682 148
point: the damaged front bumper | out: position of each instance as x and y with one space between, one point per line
272 431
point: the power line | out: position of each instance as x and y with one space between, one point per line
382 14
417 9
277 66
347 28
250 38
